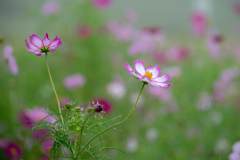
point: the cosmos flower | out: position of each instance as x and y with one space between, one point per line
13 151
74 81
12 64
149 76
41 47
162 94
101 4
199 23
50 7
235 155
107 105
214 43
38 113
116 88
84 32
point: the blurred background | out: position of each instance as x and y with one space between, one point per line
196 42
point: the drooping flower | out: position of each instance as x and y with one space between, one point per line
149 76
13 151
101 4
74 81
50 7
41 47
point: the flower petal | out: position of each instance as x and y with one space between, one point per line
156 71
131 71
34 51
162 85
145 79
36 41
46 41
55 44
162 79
30 46
138 64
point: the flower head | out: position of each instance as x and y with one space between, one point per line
150 76
13 151
74 81
101 4
41 47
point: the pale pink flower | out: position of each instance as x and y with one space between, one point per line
146 40
102 4
50 7
152 134
131 15
159 56
235 155
161 93
116 88
149 76
236 8
38 113
13 65
41 47
177 53
74 81
121 31
8 51
199 23
173 71
214 43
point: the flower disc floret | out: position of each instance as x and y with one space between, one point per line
150 75
41 47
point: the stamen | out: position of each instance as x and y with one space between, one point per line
148 74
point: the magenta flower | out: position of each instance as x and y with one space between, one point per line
8 51
41 47
149 76
214 43
13 151
101 4
74 81
107 105
36 114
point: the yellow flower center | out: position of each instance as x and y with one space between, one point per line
45 49
148 74
13 151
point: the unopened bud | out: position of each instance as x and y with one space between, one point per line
89 109
98 108
69 105
78 109
78 128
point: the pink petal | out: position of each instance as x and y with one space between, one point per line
145 79
8 51
138 64
162 79
30 46
46 41
131 71
34 51
156 71
55 44
162 85
13 65
36 41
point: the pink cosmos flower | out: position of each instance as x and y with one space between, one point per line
50 7
116 88
199 23
12 64
149 76
8 51
13 151
235 155
177 53
41 47
74 81
101 4
214 43
36 114
131 15
162 94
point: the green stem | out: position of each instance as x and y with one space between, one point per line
118 122
55 92
81 131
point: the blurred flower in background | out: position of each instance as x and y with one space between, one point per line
235 155
199 23
13 151
12 64
50 7
74 81
116 88
101 4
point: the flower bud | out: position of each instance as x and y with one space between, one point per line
69 105
89 109
78 128
98 108
78 109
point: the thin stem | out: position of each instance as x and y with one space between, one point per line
118 122
81 131
55 92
